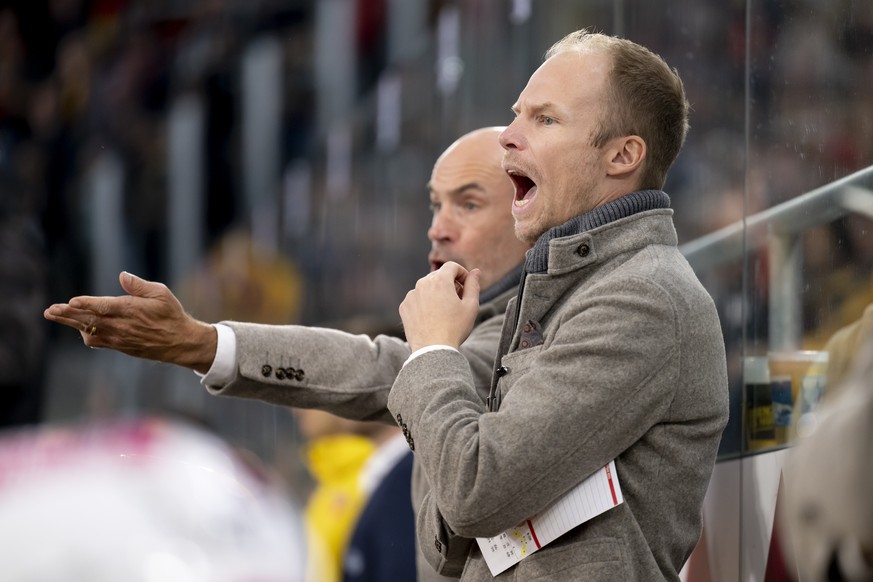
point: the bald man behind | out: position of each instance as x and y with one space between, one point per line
311 367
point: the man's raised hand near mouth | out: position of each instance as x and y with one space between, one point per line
442 307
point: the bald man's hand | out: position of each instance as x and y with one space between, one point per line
442 308
149 322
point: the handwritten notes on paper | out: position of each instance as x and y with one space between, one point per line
593 496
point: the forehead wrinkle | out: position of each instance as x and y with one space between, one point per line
464 187
536 108
458 190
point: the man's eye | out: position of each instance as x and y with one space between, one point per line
470 206
547 120
434 207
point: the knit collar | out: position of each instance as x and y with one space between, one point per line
537 258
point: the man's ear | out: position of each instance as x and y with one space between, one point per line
626 155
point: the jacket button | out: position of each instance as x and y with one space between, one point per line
266 370
280 374
583 250
299 374
502 371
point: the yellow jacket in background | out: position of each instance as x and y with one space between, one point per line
335 463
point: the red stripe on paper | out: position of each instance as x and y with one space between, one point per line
611 486
533 534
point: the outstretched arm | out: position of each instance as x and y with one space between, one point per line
148 322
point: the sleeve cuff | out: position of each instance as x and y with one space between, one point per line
427 349
223 366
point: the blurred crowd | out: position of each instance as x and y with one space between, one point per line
779 92
78 77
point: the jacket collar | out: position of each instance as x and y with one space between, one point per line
537 258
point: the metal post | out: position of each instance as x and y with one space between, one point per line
786 264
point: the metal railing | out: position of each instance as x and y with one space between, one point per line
779 228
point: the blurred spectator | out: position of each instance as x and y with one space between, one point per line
145 500
243 281
382 546
827 518
335 450
843 349
843 279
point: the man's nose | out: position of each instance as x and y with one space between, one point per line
510 138
442 227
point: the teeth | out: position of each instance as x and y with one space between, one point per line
520 203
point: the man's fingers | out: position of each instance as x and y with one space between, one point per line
470 286
116 306
74 323
442 307
96 305
79 320
139 287
454 270
65 311
466 282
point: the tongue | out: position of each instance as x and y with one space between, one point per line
527 197
530 193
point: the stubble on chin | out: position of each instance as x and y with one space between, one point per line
527 234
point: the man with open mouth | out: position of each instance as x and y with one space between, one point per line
611 362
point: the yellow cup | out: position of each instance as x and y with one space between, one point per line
759 432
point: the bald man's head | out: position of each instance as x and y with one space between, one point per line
471 199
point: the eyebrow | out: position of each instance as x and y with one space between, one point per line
537 108
460 189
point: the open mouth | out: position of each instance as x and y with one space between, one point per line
435 265
525 188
